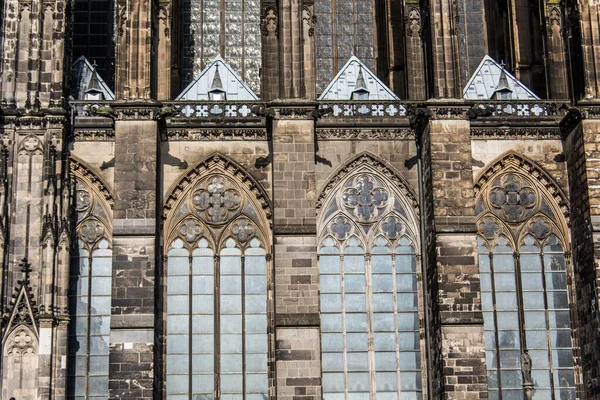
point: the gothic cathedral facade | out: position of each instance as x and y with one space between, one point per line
300 199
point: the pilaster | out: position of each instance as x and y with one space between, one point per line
444 39
134 246
455 260
296 270
582 149
589 13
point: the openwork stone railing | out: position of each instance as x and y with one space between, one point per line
238 110
519 108
382 109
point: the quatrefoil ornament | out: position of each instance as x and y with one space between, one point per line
365 198
191 230
217 202
242 230
514 198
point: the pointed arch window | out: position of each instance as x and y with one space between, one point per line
524 272
90 287
217 271
371 346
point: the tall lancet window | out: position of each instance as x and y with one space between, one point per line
344 28
217 275
226 28
524 269
369 285
90 287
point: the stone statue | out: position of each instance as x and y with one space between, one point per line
526 368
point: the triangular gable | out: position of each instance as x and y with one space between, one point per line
232 84
22 312
83 72
342 86
485 79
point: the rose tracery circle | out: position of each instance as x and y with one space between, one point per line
365 198
513 198
216 202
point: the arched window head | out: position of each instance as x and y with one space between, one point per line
524 285
371 346
217 281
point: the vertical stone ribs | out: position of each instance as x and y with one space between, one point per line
33 54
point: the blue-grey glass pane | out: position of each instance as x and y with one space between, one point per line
231 304
410 381
540 378
178 266
508 339
385 361
256 363
534 301
358 382
256 323
329 264
386 341
355 302
357 342
504 263
406 283
98 385
487 301
531 262
383 302
536 339
203 383
203 284
557 300
256 284
333 362
383 283
333 382
256 303
539 358
230 266
564 378
354 284
556 281
511 379
231 284
506 300
99 365
509 358
256 265
560 338
564 394
357 361
202 265
331 284
562 358
99 345
406 263
354 264
504 281
331 303
535 319
408 340
203 363
507 320
177 364
356 322
257 383
203 304
408 321
231 323
512 394
386 381
485 281
332 342
101 266
331 323
554 262
203 343
407 301
177 384
178 285
381 264
532 281
101 286
492 379
231 363
490 340
484 261
177 343
383 321
231 383
231 343
491 359
178 304
410 360
202 323
256 343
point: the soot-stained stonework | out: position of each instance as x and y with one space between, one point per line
291 248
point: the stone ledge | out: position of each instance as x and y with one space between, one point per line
297 320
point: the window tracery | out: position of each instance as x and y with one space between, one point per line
524 269
218 278
90 286
370 296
